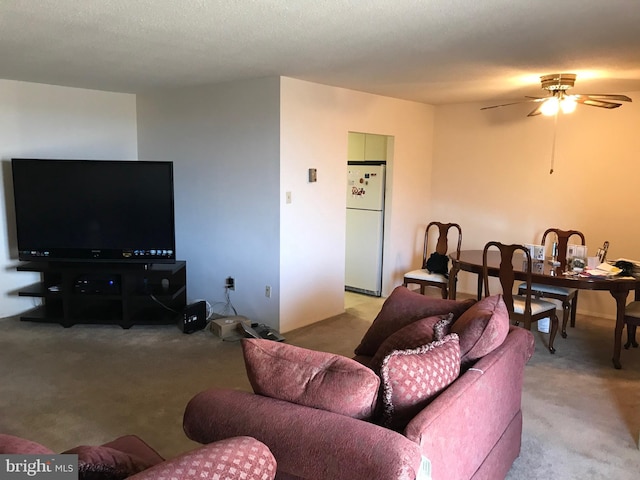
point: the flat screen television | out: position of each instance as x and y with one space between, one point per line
94 210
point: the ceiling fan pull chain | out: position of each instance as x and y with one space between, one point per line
553 146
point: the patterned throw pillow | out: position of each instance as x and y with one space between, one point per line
414 335
116 460
314 379
105 463
234 458
411 379
442 328
402 308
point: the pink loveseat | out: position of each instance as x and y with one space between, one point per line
470 429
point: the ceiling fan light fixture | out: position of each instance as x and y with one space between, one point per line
558 84
568 104
550 106
558 81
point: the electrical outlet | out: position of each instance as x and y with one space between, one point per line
230 283
267 291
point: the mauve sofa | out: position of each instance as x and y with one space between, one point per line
238 458
469 430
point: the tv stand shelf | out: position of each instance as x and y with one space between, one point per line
107 293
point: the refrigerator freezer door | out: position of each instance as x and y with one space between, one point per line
363 270
365 187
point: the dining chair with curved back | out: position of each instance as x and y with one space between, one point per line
568 296
522 308
423 276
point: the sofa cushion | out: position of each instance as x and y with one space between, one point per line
115 460
414 335
11 445
401 308
307 377
482 328
411 379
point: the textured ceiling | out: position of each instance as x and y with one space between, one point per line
432 51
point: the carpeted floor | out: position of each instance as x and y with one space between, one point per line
88 384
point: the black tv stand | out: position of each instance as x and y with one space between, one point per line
124 294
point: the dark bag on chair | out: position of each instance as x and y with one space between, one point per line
438 263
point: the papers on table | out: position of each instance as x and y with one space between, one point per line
603 270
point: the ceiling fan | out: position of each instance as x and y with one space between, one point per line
557 85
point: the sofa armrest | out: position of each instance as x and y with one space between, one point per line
238 457
306 442
473 413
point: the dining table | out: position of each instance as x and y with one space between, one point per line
546 272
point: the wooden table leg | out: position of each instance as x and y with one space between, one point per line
453 280
621 300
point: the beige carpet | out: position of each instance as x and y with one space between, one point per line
89 384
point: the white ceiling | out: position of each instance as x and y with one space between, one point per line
432 51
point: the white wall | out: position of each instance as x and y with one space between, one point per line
239 147
315 121
224 142
491 175
45 121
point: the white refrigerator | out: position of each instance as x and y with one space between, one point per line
365 227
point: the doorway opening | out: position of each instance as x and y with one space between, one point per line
366 201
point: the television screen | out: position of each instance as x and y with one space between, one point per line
92 210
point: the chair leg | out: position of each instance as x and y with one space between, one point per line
631 337
566 311
554 330
574 308
444 292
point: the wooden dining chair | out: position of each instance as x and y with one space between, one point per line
423 276
632 320
568 296
522 308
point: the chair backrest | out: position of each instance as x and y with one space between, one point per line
442 244
563 237
506 273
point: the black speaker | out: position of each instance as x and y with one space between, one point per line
194 317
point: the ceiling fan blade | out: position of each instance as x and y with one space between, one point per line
536 111
607 96
594 102
531 99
